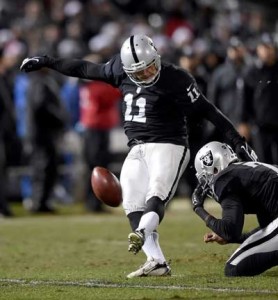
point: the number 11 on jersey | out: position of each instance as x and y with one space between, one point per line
140 103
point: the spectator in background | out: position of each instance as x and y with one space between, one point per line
7 134
34 15
260 96
51 36
99 113
14 49
46 121
70 96
66 187
212 58
226 86
20 88
72 45
191 61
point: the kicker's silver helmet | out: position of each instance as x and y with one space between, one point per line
140 60
211 159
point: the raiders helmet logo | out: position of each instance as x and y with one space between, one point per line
207 159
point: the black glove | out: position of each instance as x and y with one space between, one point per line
35 63
199 195
245 152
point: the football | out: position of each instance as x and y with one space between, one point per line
106 186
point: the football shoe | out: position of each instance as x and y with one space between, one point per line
136 240
151 268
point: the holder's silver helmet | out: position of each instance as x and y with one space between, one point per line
140 60
211 159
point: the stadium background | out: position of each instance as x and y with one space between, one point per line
76 28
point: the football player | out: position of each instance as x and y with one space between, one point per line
157 97
240 188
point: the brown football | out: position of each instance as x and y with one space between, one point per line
106 186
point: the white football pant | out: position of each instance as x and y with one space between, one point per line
258 253
151 169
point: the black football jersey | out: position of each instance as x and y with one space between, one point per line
245 188
157 113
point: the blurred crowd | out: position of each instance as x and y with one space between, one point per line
229 47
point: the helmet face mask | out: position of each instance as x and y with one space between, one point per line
212 159
144 76
140 60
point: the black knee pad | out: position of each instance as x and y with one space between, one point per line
134 219
156 204
254 264
230 270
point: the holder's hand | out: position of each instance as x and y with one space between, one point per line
213 237
199 195
245 152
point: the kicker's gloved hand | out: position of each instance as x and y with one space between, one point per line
199 195
245 152
35 63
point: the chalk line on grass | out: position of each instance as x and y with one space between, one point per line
99 284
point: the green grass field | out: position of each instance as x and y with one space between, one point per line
76 255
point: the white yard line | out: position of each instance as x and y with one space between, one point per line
98 284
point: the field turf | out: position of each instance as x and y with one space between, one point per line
76 255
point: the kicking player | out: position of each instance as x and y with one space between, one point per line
157 97
240 188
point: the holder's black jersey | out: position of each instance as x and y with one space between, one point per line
157 113
244 188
